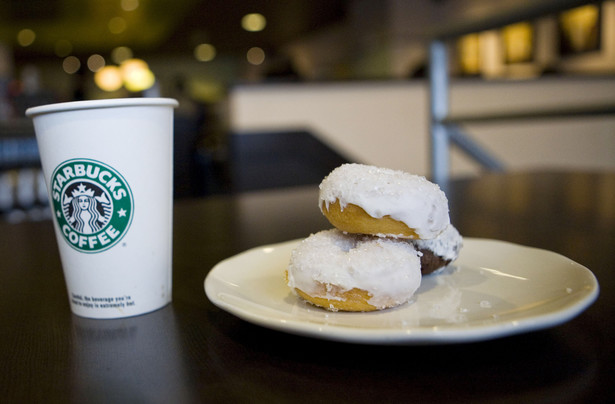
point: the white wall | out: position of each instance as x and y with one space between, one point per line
386 123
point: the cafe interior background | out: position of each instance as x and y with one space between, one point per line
276 93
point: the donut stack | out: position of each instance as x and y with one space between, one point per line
390 228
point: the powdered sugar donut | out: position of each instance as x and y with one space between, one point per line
340 271
358 198
440 251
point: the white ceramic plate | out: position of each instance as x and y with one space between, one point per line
493 290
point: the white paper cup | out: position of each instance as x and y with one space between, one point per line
108 167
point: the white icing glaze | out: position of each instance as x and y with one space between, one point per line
388 269
408 198
447 245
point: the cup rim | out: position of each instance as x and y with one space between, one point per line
105 103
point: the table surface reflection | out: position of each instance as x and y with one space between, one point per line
191 351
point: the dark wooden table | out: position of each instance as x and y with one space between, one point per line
191 351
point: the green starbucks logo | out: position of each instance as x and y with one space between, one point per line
93 204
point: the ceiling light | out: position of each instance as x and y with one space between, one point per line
129 5
255 56
96 62
204 52
117 25
71 64
131 65
253 22
136 75
26 37
109 78
121 54
139 80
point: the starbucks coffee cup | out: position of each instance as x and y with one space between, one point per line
108 166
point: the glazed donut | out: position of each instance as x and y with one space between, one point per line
358 198
440 251
340 271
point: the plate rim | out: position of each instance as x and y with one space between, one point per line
410 336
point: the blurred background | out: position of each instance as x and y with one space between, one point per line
276 93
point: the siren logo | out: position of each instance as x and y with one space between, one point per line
93 204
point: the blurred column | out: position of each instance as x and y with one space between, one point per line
6 74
